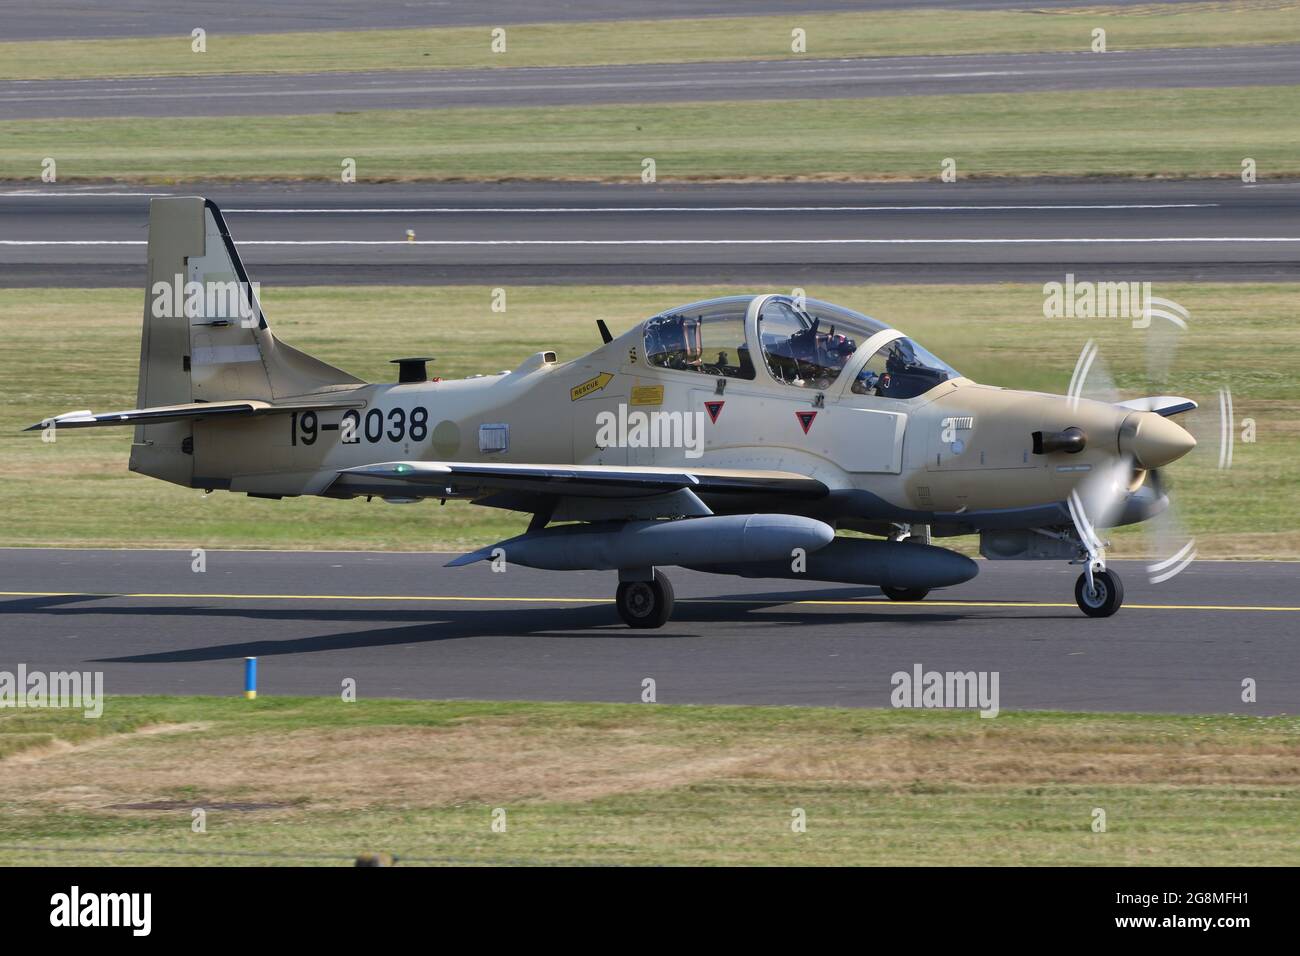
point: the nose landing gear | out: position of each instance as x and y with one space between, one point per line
1099 593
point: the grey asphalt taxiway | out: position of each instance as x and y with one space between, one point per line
793 78
773 234
52 19
401 625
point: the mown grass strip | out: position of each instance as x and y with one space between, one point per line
881 33
647 784
1183 132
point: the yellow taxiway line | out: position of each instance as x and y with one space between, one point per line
861 602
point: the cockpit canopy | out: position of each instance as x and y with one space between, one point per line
805 343
706 336
901 369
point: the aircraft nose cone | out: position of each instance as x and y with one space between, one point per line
1154 441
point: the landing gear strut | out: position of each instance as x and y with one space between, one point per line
916 533
647 603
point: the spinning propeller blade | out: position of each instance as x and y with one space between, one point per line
1099 501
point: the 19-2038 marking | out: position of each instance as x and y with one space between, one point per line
394 425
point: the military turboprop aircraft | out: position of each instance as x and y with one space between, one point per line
733 435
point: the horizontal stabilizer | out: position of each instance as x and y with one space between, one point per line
176 413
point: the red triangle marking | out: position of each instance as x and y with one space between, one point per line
805 420
714 409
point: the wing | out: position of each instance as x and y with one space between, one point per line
475 480
175 413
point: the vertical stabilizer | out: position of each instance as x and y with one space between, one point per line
205 338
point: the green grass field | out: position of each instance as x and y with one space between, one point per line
641 784
887 33
67 349
1186 132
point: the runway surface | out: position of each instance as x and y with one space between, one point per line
771 234
23 20
402 625
793 78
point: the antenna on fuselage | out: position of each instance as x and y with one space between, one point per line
412 370
604 331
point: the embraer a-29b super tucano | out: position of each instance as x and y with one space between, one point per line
734 436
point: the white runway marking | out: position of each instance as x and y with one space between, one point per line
414 210
34 193
661 242
79 194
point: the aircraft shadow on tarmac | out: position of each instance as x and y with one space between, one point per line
440 623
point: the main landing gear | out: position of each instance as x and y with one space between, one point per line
904 594
918 534
646 603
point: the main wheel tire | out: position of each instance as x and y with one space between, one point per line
905 594
645 604
1106 598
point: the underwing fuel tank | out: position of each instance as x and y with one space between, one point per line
896 564
638 544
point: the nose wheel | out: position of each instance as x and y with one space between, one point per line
645 604
1100 597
